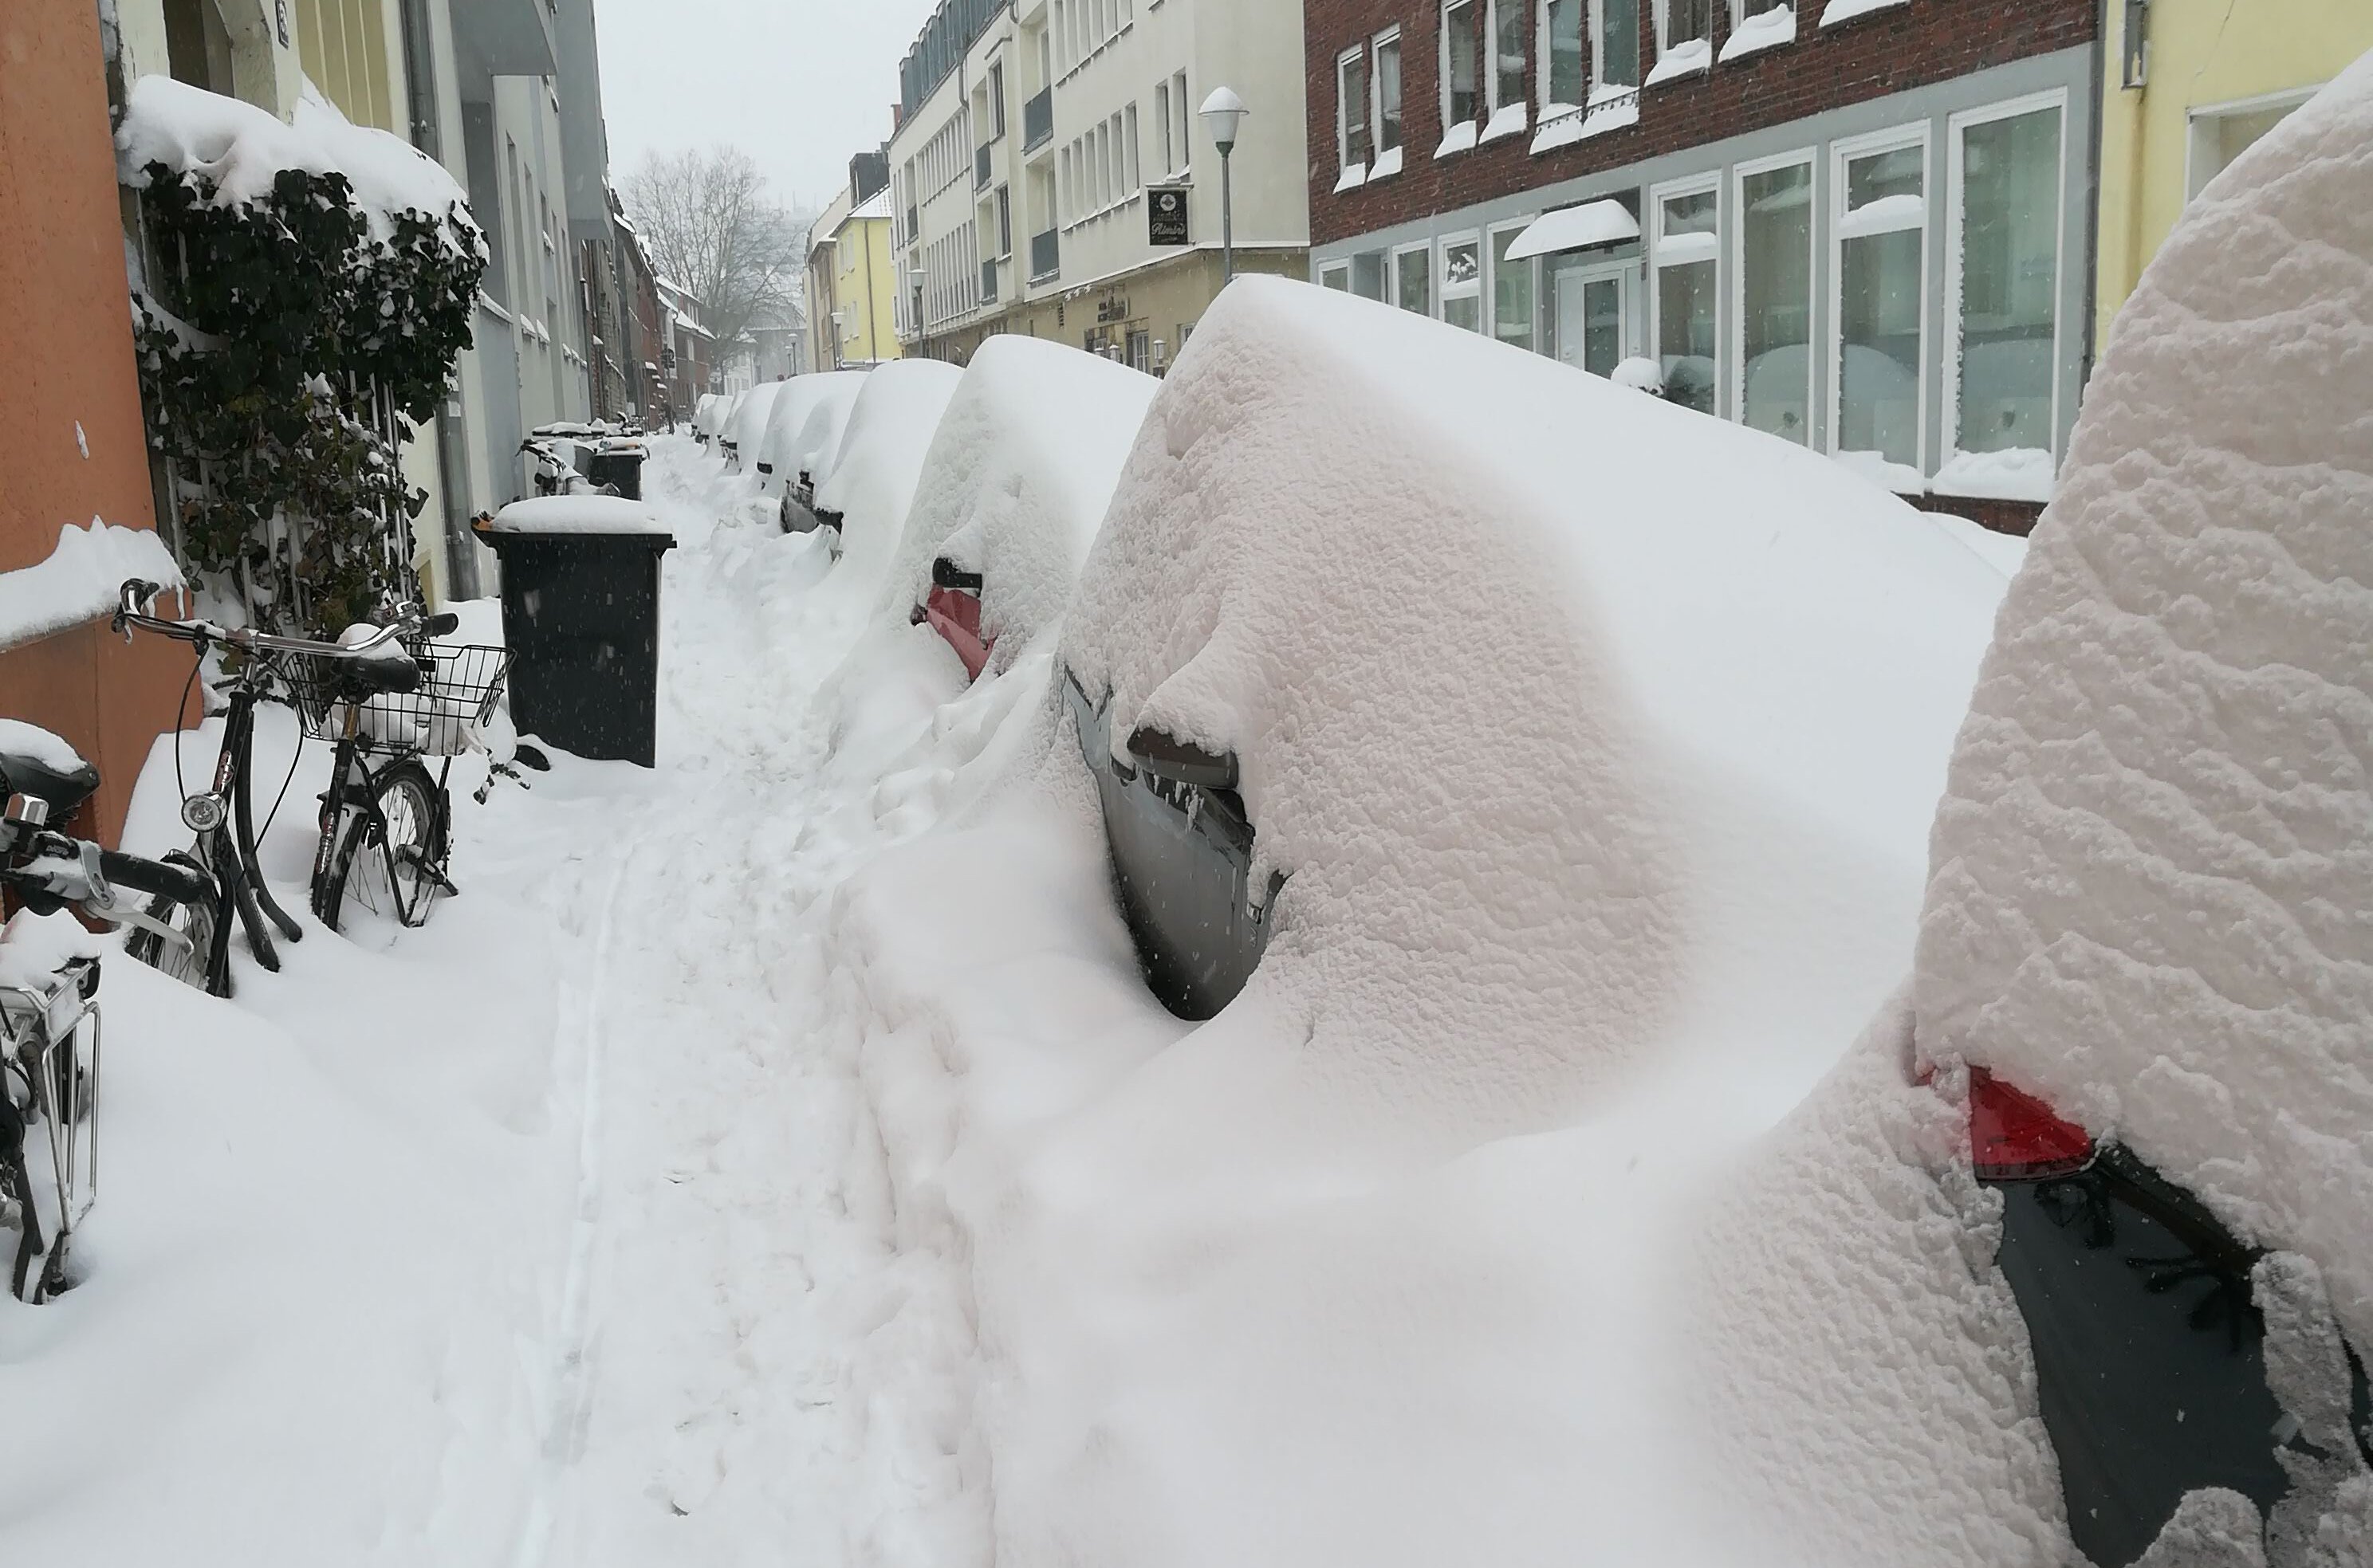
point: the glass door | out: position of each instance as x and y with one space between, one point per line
1598 318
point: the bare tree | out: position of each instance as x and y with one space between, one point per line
711 227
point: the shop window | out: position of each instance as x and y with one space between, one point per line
1881 215
1413 279
1686 255
1368 274
1775 299
1462 283
2006 289
1337 276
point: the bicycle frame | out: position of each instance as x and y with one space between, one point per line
229 850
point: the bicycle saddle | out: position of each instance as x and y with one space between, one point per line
28 768
392 674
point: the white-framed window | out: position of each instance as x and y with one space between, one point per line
2220 133
1462 80
1161 113
1772 295
1384 96
1336 275
997 100
1461 288
1565 68
1413 278
1503 25
1614 47
1368 274
2005 245
1684 287
1879 318
1515 288
1180 106
1684 35
1128 127
1352 116
1759 24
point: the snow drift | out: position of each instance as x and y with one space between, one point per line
2154 869
1017 479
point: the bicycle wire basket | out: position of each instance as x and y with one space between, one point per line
460 685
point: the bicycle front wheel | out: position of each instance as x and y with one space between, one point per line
189 914
390 861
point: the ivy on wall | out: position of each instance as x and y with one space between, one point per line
292 355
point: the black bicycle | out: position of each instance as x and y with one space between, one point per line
384 698
50 1035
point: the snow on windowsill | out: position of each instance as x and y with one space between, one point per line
1847 10
1510 121
80 580
1886 215
1681 248
1610 112
1690 58
1766 29
1354 176
1460 138
1387 164
1901 478
2021 473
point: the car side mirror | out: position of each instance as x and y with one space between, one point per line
1179 761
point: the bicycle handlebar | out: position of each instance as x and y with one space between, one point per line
137 595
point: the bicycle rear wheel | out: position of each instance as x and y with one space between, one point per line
390 863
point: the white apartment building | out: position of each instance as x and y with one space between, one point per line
1032 132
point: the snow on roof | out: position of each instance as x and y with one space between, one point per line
1572 229
2153 871
243 150
1505 647
875 207
80 579
578 515
1017 481
794 406
880 458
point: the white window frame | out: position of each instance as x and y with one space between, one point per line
1351 61
1664 9
1441 77
1842 153
1336 270
2290 98
1738 10
1432 273
1491 282
1162 111
1710 181
1391 37
1807 158
1442 285
1956 221
1598 88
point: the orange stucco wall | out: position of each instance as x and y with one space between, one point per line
66 359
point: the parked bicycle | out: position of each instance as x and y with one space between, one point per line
385 698
50 1035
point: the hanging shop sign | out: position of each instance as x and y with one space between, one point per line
1165 216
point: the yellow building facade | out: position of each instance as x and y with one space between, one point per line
864 286
2191 83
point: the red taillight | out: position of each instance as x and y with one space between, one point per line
2013 1137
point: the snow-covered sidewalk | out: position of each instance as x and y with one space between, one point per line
555 1232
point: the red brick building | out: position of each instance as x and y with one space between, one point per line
1860 225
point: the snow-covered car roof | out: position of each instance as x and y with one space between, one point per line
1017 481
746 426
879 459
799 399
2155 866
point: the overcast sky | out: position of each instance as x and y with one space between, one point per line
800 85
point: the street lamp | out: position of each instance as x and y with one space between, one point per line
1223 111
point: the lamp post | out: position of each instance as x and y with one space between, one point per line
1223 111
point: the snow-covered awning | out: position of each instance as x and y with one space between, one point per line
1572 229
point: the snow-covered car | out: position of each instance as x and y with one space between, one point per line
2146 933
800 397
864 496
745 427
708 417
1019 475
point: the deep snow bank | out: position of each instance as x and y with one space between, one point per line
1017 479
2152 899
